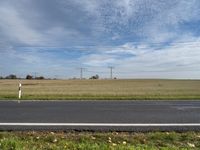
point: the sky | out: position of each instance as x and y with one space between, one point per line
138 38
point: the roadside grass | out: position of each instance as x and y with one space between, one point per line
147 89
99 141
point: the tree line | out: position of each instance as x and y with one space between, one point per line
28 77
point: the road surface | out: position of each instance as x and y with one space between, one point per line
100 115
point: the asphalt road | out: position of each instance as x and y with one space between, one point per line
100 115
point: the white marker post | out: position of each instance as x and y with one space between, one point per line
20 90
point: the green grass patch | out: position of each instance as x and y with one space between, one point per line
99 141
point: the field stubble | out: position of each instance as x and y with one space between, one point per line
101 89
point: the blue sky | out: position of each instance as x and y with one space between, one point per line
139 38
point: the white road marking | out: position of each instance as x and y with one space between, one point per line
105 124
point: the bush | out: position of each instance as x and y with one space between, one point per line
95 77
29 77
39 78
11 76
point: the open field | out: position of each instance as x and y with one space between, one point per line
101 89
99 141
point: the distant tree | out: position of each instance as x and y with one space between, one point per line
29 77
39 78
95 77
1 77
11 76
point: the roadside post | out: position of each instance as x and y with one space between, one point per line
20 91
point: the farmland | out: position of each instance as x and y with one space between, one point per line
143 89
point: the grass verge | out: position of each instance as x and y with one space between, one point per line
99 141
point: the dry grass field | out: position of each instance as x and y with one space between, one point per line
101 89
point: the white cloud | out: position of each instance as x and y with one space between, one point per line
89 21
164 25
98 60
178 60
15 28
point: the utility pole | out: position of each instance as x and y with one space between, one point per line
111 72
34 74
81 73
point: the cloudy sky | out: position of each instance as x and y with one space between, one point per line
139 38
